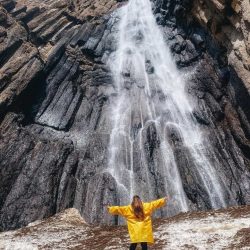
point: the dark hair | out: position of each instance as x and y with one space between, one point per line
138 207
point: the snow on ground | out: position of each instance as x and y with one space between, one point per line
222 229
212 232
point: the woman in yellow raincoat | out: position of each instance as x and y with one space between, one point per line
138 216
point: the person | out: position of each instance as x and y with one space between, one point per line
138 216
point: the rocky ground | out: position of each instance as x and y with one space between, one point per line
55 92
223 229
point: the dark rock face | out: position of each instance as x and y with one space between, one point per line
55 98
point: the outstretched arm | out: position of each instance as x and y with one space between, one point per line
158 203
118 210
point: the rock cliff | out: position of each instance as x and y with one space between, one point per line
228 22
54 102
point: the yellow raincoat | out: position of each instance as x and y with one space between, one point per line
139 231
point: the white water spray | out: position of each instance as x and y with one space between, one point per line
151 97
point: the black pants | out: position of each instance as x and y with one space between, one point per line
144 246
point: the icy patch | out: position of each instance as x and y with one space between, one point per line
209 233
8 245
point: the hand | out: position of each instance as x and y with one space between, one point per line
167 198
107 206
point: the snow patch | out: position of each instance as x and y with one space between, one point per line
210 233
17 245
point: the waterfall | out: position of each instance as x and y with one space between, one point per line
152 115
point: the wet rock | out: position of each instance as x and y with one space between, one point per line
197 40
19 10
237 131
29 186
179 11
192 180
20 82
8 4
105 193
3 16
149 68
224 76
178 44
214 107
174 135
201 117
82 35
228 15
95 38
29 15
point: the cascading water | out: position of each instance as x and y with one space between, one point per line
149 107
